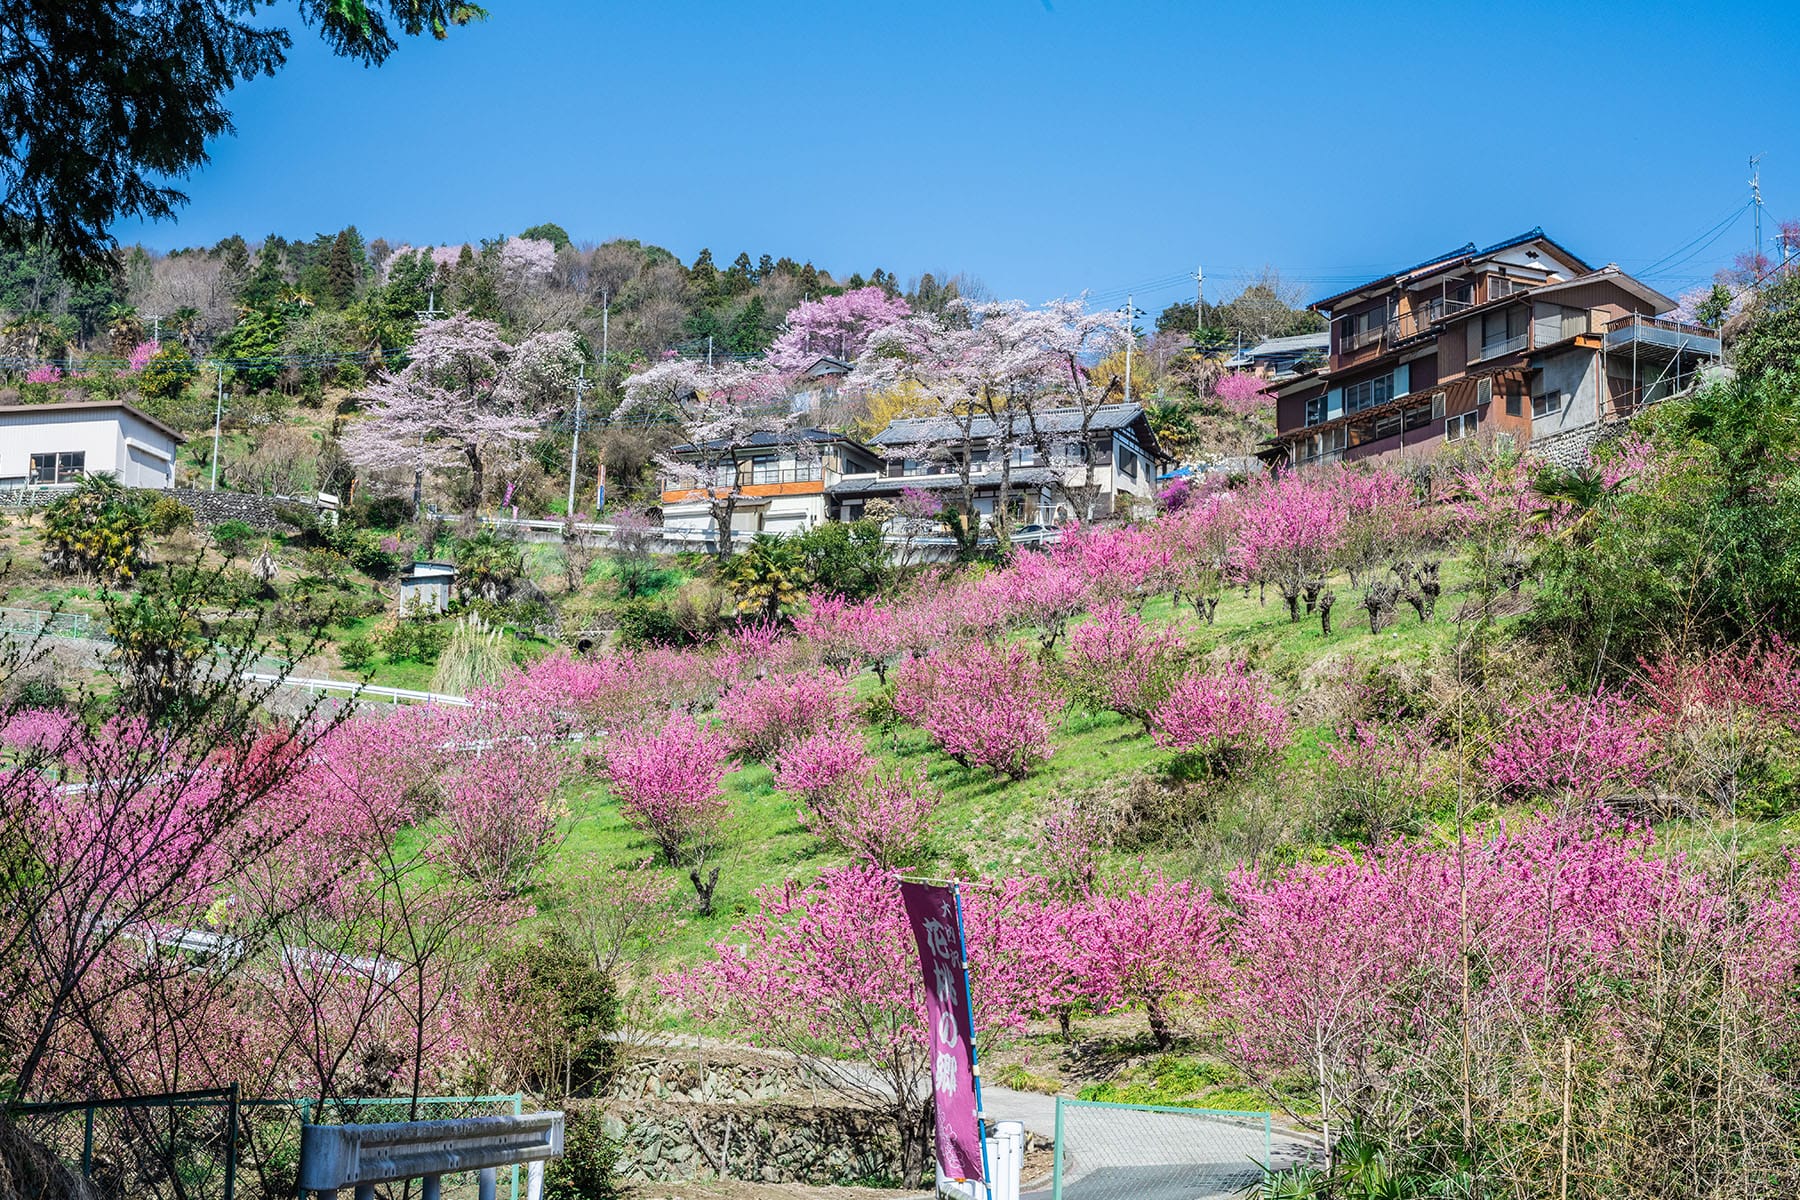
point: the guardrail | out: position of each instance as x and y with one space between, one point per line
333 1157
358 689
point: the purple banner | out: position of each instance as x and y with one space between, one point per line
931 909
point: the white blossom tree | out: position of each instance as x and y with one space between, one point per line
990 368
716 410
463 398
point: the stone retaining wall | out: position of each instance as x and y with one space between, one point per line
210 508
743 1116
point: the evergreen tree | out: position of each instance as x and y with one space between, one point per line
750 332
550 232
785 266
266 284
765 267
857 282
705 277
341 273
809 280
741 276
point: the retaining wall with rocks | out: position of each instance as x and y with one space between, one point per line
738 1115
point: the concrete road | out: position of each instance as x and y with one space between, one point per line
1130 1155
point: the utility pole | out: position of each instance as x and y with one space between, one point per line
575 441
430 312
1199 299
709 351
1756 212
605 319
1130 337
218 418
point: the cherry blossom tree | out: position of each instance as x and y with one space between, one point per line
460 401
986 705
1289 531
715 410
1155 944
839 326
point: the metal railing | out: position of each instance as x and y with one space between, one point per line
1509 345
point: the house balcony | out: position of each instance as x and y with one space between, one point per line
1422 320
1660 337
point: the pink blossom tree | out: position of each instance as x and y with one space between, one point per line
669 782
828 973
986 705
1229 719
1156 945
768 714
839 326
1288 533
1589 748
1242 393
880 815
1116 661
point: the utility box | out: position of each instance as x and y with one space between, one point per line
425 587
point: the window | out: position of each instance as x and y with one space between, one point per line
1315 411
1484 391
1128 463
1420 415
1546 405
1363 329
1437 406
58 468
1368 393
1504 332
1499 286
765 469
1460 426
1023 456
1513 404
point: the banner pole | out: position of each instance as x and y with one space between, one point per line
962 946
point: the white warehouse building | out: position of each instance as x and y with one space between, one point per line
59 443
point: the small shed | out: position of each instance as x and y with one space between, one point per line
426 586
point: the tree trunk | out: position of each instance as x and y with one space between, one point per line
473 456
723 508
705 889
918 1133
1160 1032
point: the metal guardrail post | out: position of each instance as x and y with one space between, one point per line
1056 1167
1268 1140
518 1110
231 1140
87 1145
487 1183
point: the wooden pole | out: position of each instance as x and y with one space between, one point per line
1567 1109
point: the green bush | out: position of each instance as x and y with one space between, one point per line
644 623
847 560
384 512
415 638
168 514
585 1171
233 537
579 1008
356 653
488 567
40 691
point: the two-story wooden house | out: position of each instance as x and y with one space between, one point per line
778 481
1045 477
1521 339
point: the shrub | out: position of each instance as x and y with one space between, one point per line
474 657
99 529
644 623
1589 747
385 512
1227 721
415 637
168 514
488 567
770 713
232 537
818 765
989 706
558 1013
585 1170
356 653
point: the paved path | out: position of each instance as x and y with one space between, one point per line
1123 1153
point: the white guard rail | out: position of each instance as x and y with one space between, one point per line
334 1157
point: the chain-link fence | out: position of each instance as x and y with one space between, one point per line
212 1145
1149 1152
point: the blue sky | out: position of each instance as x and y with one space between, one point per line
1046 146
